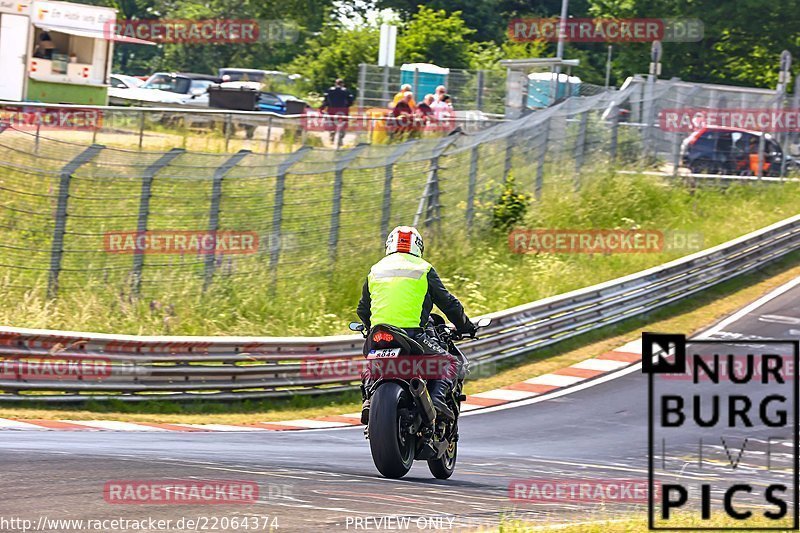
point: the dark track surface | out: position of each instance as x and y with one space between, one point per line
325 480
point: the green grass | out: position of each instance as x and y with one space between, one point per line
637 523
687 316
313 297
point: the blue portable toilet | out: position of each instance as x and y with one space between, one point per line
540 87
429 76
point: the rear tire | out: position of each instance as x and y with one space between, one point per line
444 467
392 452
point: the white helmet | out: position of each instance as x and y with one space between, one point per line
404 239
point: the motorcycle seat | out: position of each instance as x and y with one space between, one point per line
399 339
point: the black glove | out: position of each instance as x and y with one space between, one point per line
469 330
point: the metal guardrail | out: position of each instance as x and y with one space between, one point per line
134 368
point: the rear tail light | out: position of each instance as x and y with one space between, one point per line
382 336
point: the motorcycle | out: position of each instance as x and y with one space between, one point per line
403 425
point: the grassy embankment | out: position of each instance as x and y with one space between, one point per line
481 271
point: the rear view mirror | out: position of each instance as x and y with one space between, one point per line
356 326
483 322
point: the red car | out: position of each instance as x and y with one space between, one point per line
733 151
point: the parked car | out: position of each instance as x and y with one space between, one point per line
733 151
167 89
248 96
122 81
283 104
230 74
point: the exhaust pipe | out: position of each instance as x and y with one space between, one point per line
423 400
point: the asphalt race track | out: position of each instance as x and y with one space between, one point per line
325 480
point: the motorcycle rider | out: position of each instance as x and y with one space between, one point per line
401 290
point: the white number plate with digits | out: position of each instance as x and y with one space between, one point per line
383 353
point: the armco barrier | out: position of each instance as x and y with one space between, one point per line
133 368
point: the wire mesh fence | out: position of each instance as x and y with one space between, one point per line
483 91
144 221
209 130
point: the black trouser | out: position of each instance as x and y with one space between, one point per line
427 339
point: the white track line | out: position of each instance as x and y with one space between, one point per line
555 380
115 425
601 365
220 427
637 366
504 394
309 423
13 424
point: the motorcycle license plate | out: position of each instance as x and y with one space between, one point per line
383 353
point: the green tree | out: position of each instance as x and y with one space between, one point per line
336 53
742 39
435 37
489 18
299 19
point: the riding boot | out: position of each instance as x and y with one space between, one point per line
438 389
365 405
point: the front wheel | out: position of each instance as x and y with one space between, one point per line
443 467
392 447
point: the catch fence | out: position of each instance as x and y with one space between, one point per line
73 213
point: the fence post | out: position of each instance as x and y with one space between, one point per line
387 97
144 210
636 106
228 128
336 208
362 85
761 143
269 133
795 106
473 180
580 149
141 128
430 194
479 94
511 141
540 166
277 211
213 212
614 141
60 226
676 135
647 106
388 176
